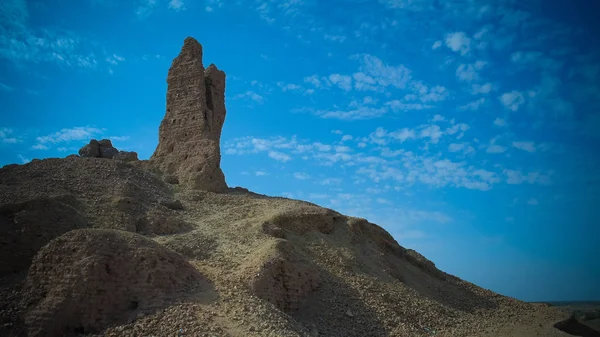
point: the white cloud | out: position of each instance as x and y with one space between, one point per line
436 44
433 132
467 73
331 181
472 106
458 42
250 95
525 146
40 147
481 88
301 176
314 80
512 100
495 148
115 59
260 173
342 81
383 74
465 148
438 118
360 113
6 136
533 202
403 134
499 122
145 8
23 43
68 135
279 156
517 177
346 138
397 105
177 5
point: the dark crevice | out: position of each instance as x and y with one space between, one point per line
208 86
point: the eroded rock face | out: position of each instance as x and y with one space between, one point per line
190 133
89 279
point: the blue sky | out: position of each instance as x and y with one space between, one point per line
468 129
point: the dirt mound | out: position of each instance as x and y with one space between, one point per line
89 279
109 194
281 277
26 227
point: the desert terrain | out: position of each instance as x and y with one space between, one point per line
104 244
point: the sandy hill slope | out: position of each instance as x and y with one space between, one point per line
99 246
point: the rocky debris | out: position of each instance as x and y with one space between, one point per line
105 149
89 279
273 230
26 227
190 132
156 222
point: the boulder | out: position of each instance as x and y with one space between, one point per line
91 150
105 149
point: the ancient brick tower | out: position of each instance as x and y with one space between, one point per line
190 133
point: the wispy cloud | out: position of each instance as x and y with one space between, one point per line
301 176
22 43
279 156
177 5
7 136
250 95
525 146
66 135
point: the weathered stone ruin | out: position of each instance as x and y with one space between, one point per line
105 149
190 133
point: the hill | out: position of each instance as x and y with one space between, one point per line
97 245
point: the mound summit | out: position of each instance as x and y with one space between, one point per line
93 246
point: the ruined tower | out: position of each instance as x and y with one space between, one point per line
190 133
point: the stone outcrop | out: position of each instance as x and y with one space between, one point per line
105 149
190 133
89 279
